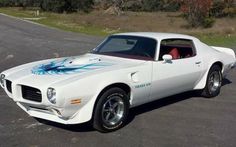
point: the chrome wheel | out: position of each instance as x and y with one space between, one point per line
113 110
214 81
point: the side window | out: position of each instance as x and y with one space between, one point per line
177 48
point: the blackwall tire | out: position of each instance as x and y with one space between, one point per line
111 110
213 83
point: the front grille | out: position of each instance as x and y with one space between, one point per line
31 93
9 86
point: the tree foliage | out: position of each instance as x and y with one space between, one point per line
222 8
52 5
141 5
160 5
66 5
197 12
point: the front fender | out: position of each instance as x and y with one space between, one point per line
88 93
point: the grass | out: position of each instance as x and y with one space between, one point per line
60 21
223 33
16 12
219 40
91 30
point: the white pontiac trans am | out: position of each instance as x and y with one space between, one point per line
124 71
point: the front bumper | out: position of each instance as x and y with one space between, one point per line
44 109
47 113
67 110
53 114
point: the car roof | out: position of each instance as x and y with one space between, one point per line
158 35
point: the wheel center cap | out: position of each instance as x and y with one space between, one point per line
111 110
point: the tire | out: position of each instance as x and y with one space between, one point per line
111 110
213 83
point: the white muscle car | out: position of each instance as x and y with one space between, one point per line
124 71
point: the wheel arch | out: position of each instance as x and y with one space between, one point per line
202 82
220 64
123 86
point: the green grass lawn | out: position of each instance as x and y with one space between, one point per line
71 22
60 21
57 23
219 40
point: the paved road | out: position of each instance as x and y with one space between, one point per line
181 120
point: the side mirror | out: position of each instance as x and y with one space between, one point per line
167 58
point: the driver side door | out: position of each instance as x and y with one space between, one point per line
179 74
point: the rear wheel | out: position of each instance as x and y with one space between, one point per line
111 110
213 83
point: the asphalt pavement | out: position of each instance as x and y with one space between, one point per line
180 120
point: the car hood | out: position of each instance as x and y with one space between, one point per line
47 72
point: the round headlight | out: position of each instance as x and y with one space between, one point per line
2 78
51 94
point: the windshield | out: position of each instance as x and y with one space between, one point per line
128 47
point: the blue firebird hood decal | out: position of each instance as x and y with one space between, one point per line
65 67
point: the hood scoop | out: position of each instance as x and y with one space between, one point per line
82 61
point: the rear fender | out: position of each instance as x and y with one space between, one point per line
202 83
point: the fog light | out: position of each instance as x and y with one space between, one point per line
51 94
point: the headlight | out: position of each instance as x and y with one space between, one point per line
51 94
2 78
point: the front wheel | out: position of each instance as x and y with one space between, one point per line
213 83
111 110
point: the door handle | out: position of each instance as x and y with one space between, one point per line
199 62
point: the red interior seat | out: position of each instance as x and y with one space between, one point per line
174 53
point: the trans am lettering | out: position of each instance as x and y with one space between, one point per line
142 85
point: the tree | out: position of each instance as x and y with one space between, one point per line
81 5
53 5
152 5
160 5
66 5
197 12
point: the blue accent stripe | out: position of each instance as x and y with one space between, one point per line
60 68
